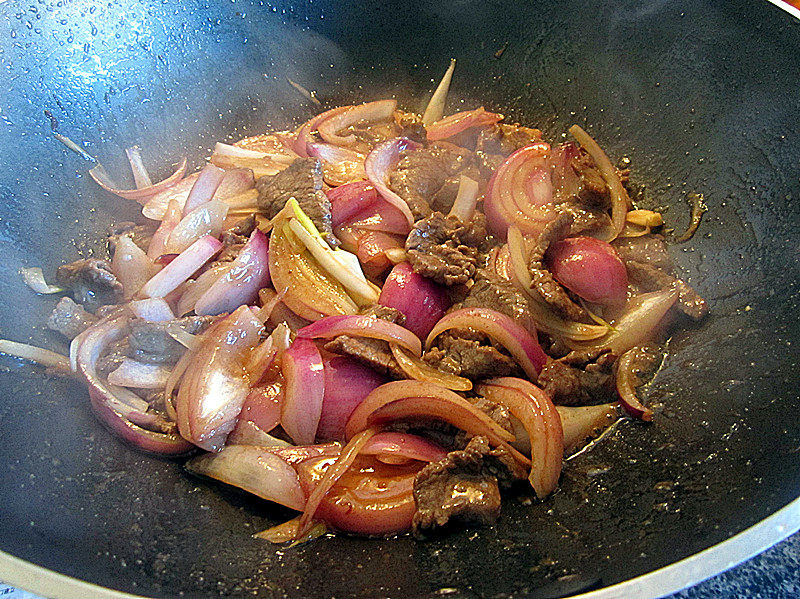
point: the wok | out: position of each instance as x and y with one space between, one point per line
701 94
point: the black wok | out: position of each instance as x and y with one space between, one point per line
701 94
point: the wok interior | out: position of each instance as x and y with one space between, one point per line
675 86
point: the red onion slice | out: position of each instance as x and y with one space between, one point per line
362 326
305 388
256 470
240 283
393 447
421 301
131 266
206 219
300 145
383 158
131 373
540 419
347 383
141 195
364 113
263 407
204 187
461 121
170 220
584 423
333 154
590 268
141 178
152 309
520 343
182 267
626 387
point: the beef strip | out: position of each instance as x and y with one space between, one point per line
70 319
140 234
301 180
462 487
375 353
469 354
542 279
650 278
505 139
91 282
233 239
570 386
152 344
446 250
410 126
592 188
493 292
421 173
648 249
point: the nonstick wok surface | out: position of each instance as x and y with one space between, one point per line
701 95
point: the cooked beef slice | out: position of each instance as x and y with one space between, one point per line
543 282
91 282
410 126
446 250
504 139
647 249
462 487
140 234
374 353
152 344
571 386
70 319
467 353
650 278
112 357
593 190
421 173
493 292
301 180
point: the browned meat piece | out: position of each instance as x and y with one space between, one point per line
462 487
504 139
301 180
112 357
586 221
571 386
233 239
446 250
650 278
493 292
152 344
542 280
647 249
497 412
410 126
468 354
91 282
372 352
593 190
422 172
140 234
70 319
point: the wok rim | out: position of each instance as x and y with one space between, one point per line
675 577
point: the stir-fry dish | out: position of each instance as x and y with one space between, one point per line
381 320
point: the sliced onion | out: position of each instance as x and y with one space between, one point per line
517 193
141 195
421 301
441 403
262 407
583 423
539 417
182 267
204 188
115 413
636 325
461 121
305 388
435 108
228 156
207 219
239 284
196 288
42 356
619 196
363 113
248 433
626 387
254 469
590 268
261 359
131 373
333 154
131 266
310 292
140 176
466 199
152 309
358 325
332 474
347 383
170 220
300 145
416 369
288 531
379 162
34 278
520 343
350 199
215 385
393 448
